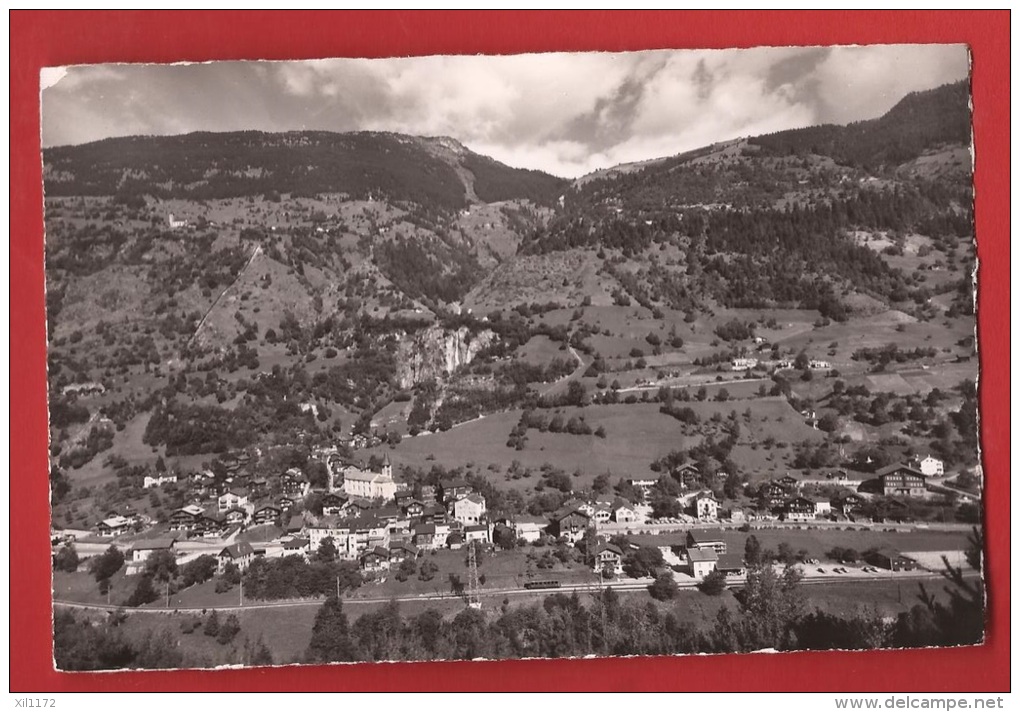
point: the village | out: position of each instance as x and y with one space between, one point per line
369 517
366 395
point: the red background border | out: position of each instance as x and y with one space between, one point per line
55 38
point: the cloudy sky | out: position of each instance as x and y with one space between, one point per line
567 114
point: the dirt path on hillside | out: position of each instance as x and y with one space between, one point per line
576 373
255 253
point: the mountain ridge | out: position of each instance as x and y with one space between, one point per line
362 164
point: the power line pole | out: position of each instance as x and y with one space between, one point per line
474 600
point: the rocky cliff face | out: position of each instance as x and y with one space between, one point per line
436 352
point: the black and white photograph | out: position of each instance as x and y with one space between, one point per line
556 355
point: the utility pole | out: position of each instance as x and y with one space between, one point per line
241 592
474 601
338 587
168 593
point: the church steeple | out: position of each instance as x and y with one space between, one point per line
387 468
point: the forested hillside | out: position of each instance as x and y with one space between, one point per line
202 166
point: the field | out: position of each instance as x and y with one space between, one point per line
636 435
128 444
540 350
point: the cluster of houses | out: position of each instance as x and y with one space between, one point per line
371 518
745 362
782 497
699 552
366 515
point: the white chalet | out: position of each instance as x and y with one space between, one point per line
706 506
232 499
151 481
931 467
114 526
469 509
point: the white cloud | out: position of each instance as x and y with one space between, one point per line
864 82
563 113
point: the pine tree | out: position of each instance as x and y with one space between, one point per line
331 639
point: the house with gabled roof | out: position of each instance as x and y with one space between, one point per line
231 499
333 504
789 482
236 516
337 530
293 483
772 496
413 508
528 527
450 490
186 519
266 513
114 526
296 546
701 562
475 532
931 466
387 515
848 503
608 557
424 536
706 539
569 523
706 506
731 564
433 513
902 481
142 550
240 555
687 474
799 509
623 512
469 509
375 559
401 549
356 507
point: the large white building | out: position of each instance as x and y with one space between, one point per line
151 481
368 484
742 364
470 509
706 506
931 467
341 533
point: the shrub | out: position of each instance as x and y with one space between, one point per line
664 588
713 584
